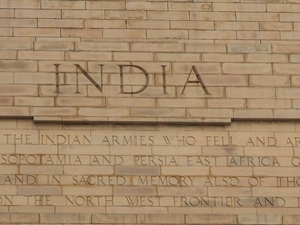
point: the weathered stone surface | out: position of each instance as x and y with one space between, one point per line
149 112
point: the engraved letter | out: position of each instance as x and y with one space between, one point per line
122 79
100 88
194 69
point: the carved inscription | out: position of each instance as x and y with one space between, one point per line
197 80
90 169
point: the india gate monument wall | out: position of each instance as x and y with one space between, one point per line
150 112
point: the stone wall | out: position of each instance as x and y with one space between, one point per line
245 173
149 112
245 54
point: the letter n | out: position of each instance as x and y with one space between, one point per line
100 88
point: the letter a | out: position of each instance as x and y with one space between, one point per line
195 81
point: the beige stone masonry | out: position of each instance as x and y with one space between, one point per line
149 112
253 41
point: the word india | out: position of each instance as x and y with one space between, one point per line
144 73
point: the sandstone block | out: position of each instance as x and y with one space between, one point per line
227 113
102 46
133 191
166 219
41 55
250 92
167 34
130 56
270 103
211 219
287 93
79 210
286 171
276 26
9 54
57 111
177 103
167 15
37 32
106 170
83 33
35 4
140 24
236 26
129 102
215 35
95 56
65 101
29 13
253 113
231 171
74 23
112 24
249 48
214 48
44 190
48 4
16 44
113 218
157 112
282 8
213 16
179 6
291 219
272 80
207 68
285 48
82 14
226 103
86 111
267 58
290 35
189 210
213 57
138 210
276 191
104 5
157 47
234 191
30 209
137 15
65 218
196 171
71 190
182 191
132 150
45 169
258 35
128 33
6 13
136 170
6 101
24 218
289 17
35 149
255 16
286 113
259 219
18 65
53 45
192 25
